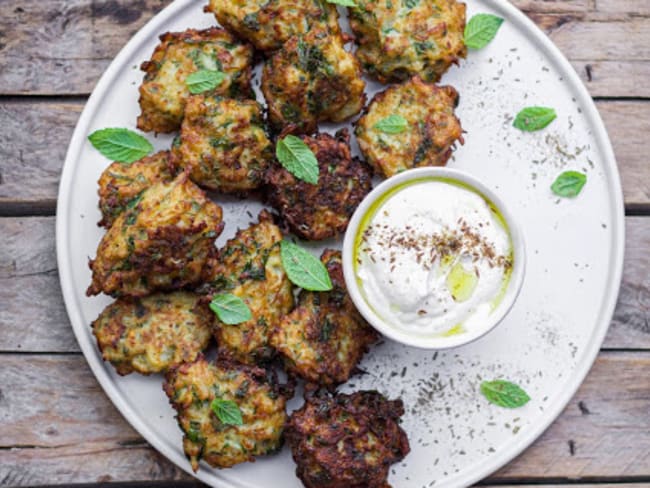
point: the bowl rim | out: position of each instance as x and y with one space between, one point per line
434 342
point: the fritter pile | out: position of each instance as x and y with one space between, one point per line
401 38
268 24
223 143
323 339
193 387
429 137
164 92
312 79
347 441
120 185
153 333
249 266
320 211
161 242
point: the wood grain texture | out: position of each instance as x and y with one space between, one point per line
60 435
33 316
30 172
63 46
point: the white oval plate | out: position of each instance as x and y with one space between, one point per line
548 341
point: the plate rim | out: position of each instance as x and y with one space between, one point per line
490 464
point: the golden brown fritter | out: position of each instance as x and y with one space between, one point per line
429 137
122 183
193 387
320 211
163 92
153 333
268 24
347 441
401 38
223 143
312 79
249 266
323 339
161 242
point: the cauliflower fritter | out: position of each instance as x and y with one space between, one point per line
249 266
430 136
268 24
163 91
161 242
153 333
223 143
193 387
401 38
323 339
320 211
347 441
121 184
312 79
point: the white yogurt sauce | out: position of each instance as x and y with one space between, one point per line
433 258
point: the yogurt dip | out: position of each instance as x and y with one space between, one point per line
433 257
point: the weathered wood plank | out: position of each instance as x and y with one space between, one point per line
33 142
34 319
63 46
30 171
615 78
73 434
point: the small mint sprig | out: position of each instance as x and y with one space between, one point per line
504 393
303 268
230 309
297 158
481 29
121 145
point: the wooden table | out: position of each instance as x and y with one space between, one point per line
56 425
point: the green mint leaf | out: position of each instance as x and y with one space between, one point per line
230 309
227 411
504 393
569 184
303 269
393 124
121 145
345 3
532 119
204 80
296 157
481 29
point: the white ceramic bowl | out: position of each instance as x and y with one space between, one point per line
434 341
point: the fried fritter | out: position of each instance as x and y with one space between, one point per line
153 333
430 136
249 266
120 183
223 143
320 211
163 91
312 79
161 242
323 339
401 38
347 441
193 387
268 24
